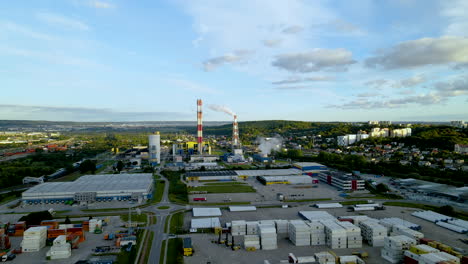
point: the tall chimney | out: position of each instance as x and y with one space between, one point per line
199 127
235 133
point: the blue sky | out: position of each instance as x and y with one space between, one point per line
116 60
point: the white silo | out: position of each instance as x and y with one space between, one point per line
154 148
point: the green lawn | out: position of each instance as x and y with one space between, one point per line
354 202
224 189
177 222
164 207
174 251
158 191
225 183
142 218
177 189
232 203
104 210
149 243
308 200
163 250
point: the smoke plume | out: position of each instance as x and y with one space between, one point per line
221 108
266 145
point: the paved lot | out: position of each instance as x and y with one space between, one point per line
269 193
207 251
83 252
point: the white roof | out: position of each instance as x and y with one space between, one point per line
286 177
242 208
140 182
316 215
307 164
278 172
206 212
205 223
328 205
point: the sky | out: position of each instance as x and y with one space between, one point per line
122 60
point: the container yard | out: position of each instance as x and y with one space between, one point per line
378 236
55 242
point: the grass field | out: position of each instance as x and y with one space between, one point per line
135 218
224 189
232 203
158 191
164 207
163 250
148 245
174 251
177 221
308 200
354 202
224 183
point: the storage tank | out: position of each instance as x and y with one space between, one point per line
154 148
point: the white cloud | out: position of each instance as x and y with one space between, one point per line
421 52
9 27
315 60
62 21
455 11
272 42
190 86
101 4
410 82
292 29
230 58
60 113
297 79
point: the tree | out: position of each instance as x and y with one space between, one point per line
120 165
88 166
446 210
67 220
382 188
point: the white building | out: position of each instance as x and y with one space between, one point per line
154 148
459 124
93 188
462 149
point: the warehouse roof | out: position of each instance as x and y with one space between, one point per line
205 223
210 173
316 215
278 172
242 208
206 212
284 178
97 183
308 164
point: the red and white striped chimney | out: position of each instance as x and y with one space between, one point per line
199 126
235 133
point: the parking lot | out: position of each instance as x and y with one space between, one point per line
206 251
83 252
268 193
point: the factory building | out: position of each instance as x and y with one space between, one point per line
263 158
93 188
269 180
310 168
154 148
190 148
343 182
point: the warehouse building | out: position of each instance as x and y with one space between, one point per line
343 182
274 172
93 188
269 180
310 168
228 175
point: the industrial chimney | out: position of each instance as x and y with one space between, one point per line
235 134
199 127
